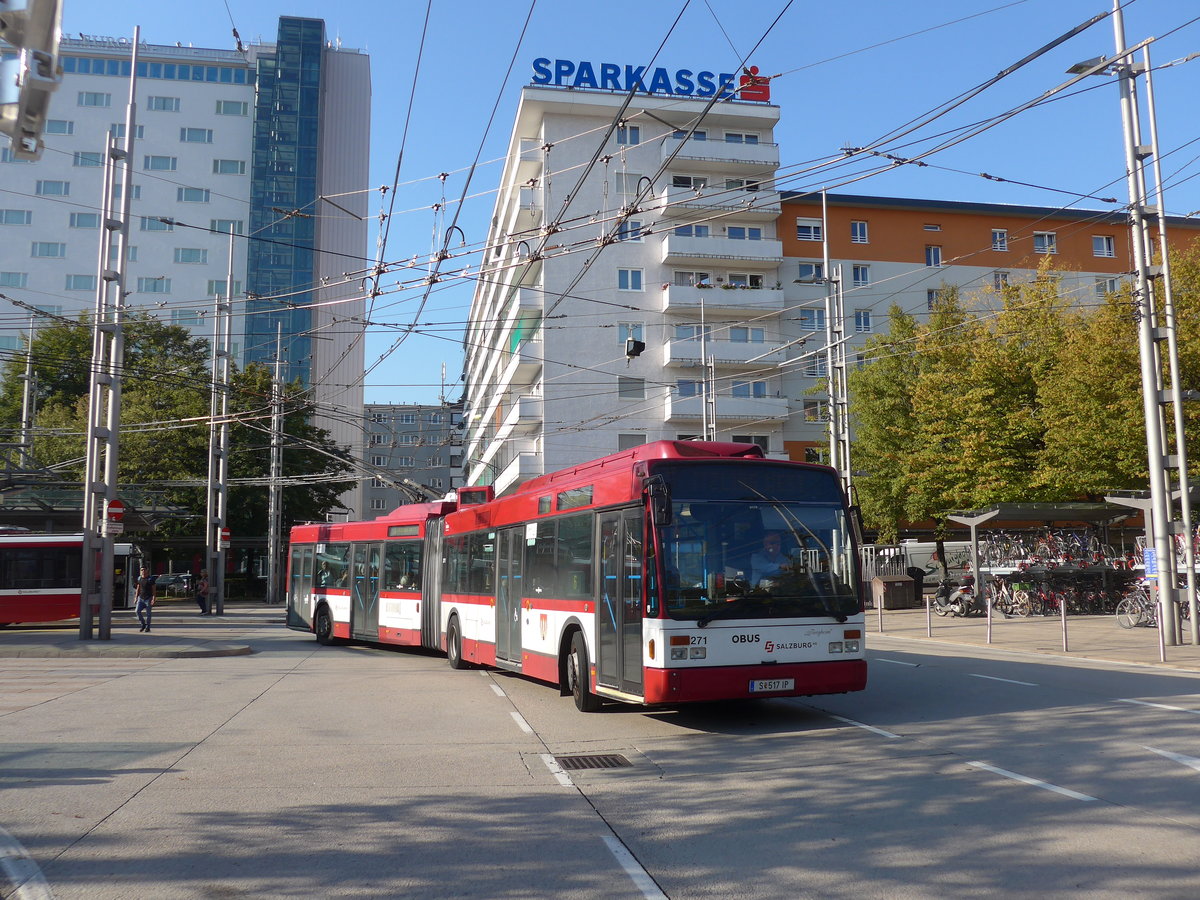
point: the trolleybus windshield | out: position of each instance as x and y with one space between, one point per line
756 541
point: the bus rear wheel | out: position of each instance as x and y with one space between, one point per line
578 676
323 626
454 645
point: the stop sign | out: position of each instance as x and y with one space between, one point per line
116 510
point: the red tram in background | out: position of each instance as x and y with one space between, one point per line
41 574
631 578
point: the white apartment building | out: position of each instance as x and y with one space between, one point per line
225 141
692 270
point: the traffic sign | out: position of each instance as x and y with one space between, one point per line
223 543
116 510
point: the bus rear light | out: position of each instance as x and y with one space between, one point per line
650 648
680 640
852 633
835 647
699 652
679 653
852 646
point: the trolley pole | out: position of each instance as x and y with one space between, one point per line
107 363
275 496
218 440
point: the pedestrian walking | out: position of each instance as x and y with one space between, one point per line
146 590
202 592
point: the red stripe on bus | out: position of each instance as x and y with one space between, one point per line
546 604
733 682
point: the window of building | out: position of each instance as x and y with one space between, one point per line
119 189
748 388
815 455
224 226
858 232
698 135
216 287
87 159
196 135
194 256
692 279
378 483
376 439
743 184
687 387
1045 242
378 460
406 462
629 134
692 332
7 156
162 104
630 230
131 254
186 317
631 388
862 321
744 233
811 272
999 280
48 250
81 282
229 167
629 441
160 163
192 195
59 126
117 130
933 255
154 285
408 438
629 331
932 227
629 279
627 185
436 419
378 503
740 334
1103 245
1000 239
232 108
94 98
1106 286
52 309
861 276
701 231
378 418
436 483
931 298
407 418
22 217
816 411
809 230
762 441
812 319
85 220
740 137
48 188
816 367
745 280
156 223
14 279
692 182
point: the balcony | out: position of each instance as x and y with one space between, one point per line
730 410
722 353
525 365
530 200
529 159
720 156
753 206
524 416
703 251
688 299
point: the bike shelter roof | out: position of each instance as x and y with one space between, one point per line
1046 515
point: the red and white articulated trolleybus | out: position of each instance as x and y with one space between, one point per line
41 576
651 576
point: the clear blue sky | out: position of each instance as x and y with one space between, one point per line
848 74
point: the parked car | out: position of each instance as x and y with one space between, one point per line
174 583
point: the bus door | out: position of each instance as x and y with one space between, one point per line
431 585
619 601
364 588
510 553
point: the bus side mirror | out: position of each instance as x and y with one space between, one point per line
856 524
660 500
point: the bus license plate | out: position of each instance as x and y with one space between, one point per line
775 684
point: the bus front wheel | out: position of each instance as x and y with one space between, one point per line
323 626
578 676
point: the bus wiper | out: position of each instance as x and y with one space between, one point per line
722 612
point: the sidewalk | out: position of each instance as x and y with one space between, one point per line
1087 637
178 631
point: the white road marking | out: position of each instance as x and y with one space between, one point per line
1189 761
641 878
1025 779
521 723
1005 680
895 662
1194 712
557 771
499 690
879 731
22 872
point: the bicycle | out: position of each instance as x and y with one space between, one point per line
1137 608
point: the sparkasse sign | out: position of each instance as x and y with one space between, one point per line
679 82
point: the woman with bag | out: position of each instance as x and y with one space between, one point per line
202 592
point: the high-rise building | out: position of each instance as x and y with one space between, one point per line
418 442
248 141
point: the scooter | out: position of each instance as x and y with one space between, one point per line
954 598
